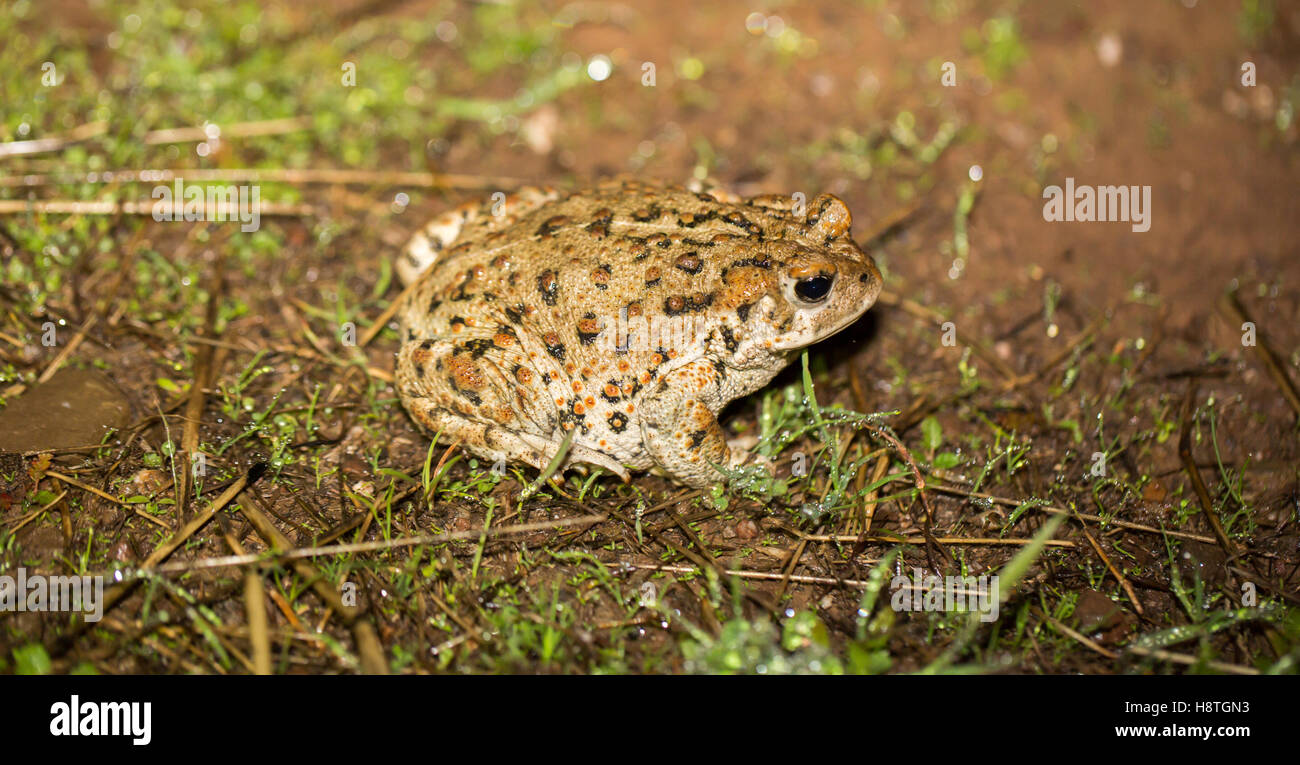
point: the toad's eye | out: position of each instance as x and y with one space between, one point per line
814 289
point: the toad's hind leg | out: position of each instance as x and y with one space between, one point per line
441 232
482 439
495 443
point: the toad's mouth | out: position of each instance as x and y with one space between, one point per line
793 341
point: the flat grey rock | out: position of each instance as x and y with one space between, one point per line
75 407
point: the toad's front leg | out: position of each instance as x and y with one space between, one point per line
681 433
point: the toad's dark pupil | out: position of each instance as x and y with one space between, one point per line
814 289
